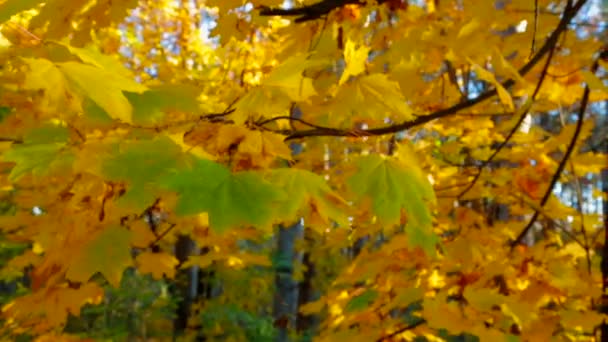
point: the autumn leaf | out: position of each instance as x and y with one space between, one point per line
134 163
107 252
361 301
103 87
157 264
355 60
487 76
43 151
12 7
373 96
393 187
152 105
231 200
309 195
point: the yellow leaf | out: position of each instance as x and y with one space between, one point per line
503 66
263 147
468 28
586 321
44 74
593 81
355 60
373 96
141 236
157 264
103 87
289 77
487 76
107 252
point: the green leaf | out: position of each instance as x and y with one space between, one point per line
5 112
108 253
361 301
392 187
103 87
305 187
12 7
43 151
423 238
231 200
48 133
142 164
150 106
94 114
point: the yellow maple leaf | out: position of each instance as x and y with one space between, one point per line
263 147
487 76
373 97
355 59
289 77
157 264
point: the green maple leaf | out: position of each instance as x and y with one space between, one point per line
361 301
243 198
108 253
43 151
392 187
12 7
303 188
150 106
142 164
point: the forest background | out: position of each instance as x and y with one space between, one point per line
391 170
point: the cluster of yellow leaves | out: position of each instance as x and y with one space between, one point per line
102 147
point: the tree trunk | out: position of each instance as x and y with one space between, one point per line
286 296
185 285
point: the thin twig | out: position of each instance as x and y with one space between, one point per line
579 203
401 330
535 27
515 128
562 164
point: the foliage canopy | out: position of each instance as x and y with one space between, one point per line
420 142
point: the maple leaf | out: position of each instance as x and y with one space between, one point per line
158 264
487 76
133 163
392 186
103 87
231 200
151 106
373 96
310 195
361 301
12 7
289 77
53 303
108 252
43 151
46 76
355 60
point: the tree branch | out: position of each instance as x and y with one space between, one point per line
569 13
400 331
515 128
562 163
310 12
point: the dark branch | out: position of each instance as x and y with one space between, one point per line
402 330
310 12
515 128
549 44
562 163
